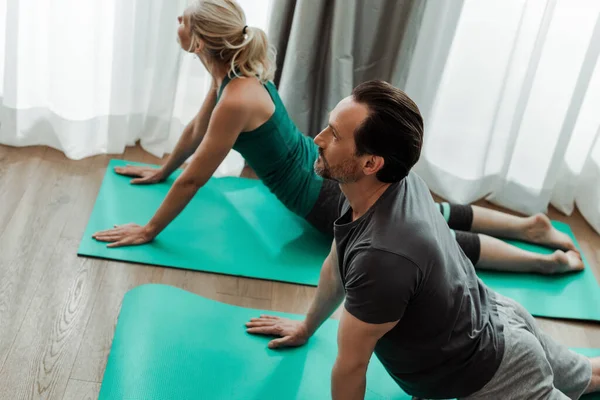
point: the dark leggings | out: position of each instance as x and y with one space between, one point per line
459 218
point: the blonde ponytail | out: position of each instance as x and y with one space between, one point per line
221 26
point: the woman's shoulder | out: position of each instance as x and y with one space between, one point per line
246 91
242 86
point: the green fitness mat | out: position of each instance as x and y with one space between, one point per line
232 226
172 344
236 226
574 295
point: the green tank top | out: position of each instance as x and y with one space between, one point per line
282 157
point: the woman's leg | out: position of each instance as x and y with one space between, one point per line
486 252
498 255
535 229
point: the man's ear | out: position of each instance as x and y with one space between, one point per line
372 164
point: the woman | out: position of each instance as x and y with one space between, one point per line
243 111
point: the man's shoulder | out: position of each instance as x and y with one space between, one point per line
405 201
408 222
412 186
374 259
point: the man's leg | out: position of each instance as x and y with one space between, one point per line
572 372
524 372
594 385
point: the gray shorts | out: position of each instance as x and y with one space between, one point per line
534 366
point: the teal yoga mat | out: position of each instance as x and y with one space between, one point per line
236 226
172 344
570 296
232 226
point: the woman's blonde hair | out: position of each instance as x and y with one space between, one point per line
221 25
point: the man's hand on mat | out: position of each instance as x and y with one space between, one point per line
293 333
125 235
142 175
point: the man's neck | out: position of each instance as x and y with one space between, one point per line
363 194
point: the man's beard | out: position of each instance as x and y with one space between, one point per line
348 171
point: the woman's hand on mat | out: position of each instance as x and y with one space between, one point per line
292 333
125 235
141 175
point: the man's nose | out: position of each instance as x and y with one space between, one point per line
319 139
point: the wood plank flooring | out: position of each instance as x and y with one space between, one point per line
58 311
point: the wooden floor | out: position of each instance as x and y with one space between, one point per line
58 311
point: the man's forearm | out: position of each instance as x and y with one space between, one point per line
330 294
191 136
348 382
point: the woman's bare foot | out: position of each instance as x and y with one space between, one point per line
560 262
539 230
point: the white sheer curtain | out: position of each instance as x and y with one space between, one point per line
94 76
510 92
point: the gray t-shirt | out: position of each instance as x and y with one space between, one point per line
399 261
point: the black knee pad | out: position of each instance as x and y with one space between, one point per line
470 244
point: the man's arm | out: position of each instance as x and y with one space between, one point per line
356 343
330 293
379 287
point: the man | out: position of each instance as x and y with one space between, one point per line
411 295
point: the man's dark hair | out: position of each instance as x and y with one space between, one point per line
393 129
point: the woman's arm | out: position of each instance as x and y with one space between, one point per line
192 135
224 128
186 146
228 119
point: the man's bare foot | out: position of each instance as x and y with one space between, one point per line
539 230
560 262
